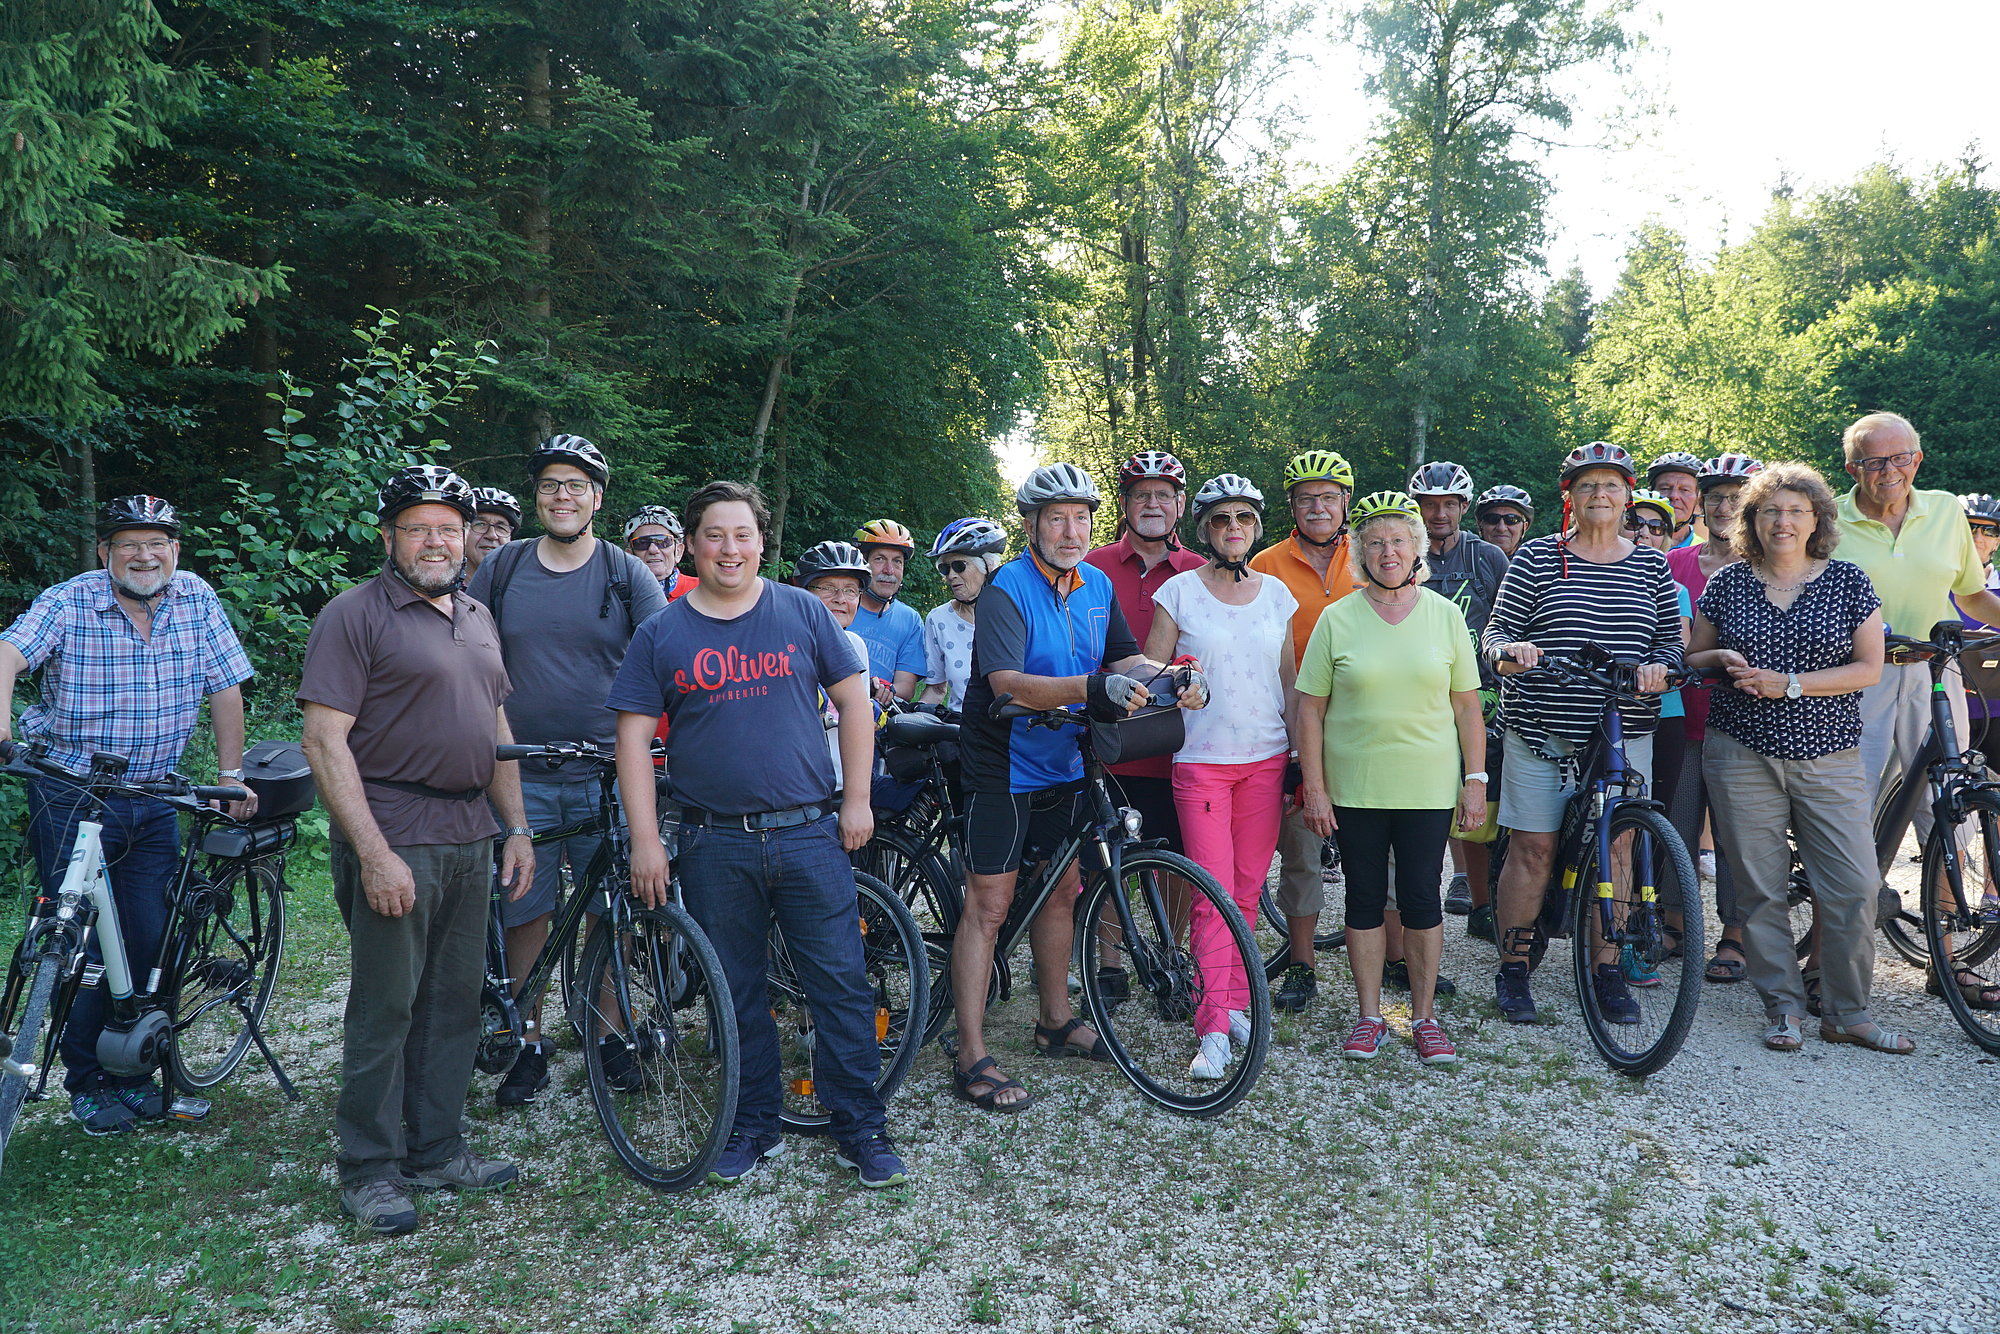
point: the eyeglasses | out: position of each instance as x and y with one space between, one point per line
1376 545
1633 524
433 532
1239 519
1510 520
836 592
1786 515
1902 460
1150 496
574 486
1985 530
1322 503
653 543
500 526
955 566
1597 489
158 546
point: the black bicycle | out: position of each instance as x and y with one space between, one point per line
647 999
1639 910
195 1009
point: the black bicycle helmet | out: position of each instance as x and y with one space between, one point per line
655 514
1504 494
492 500
1673 461
425 484
573 450
830 557
137 512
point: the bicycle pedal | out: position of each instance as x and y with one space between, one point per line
188 1109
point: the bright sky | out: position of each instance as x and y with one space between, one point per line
1746 91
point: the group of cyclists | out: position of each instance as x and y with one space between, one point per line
1357 684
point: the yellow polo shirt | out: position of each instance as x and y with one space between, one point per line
1916 570
1313 594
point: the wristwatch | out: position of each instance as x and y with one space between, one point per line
232 773
1479 774
523 833
1794 688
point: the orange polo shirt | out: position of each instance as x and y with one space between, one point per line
1314 594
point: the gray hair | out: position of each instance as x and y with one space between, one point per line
1857 435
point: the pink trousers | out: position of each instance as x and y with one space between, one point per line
1230 815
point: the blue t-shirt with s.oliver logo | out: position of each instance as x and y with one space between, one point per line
1028 622
742 697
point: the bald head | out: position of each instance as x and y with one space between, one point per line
1879 433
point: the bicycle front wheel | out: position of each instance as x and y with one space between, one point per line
896 962
227 972
1955 928
1187 953
1639 1011
26 1041
659 1044
925 884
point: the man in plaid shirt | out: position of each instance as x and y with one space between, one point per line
126 654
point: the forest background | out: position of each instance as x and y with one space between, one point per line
255 254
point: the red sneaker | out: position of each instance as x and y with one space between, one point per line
1433 1047
1365 1040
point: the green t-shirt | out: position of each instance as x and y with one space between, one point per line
1391 738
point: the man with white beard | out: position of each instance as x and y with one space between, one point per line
126 654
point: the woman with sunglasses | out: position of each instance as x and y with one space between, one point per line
966 551
1229 777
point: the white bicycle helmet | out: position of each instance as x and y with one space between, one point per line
1054 484
1441 478
970 536
655 514
1674 461
1727 468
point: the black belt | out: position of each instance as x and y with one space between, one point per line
426 790
789 818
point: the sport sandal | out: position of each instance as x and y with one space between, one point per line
986 1071
1055 1042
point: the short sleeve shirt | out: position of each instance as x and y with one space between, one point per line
1242 651
743 696
1914 571
1313 594
1816 632
948 652
104 688
895 639
1135 587
424 691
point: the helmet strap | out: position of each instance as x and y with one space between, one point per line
1333 541
566 541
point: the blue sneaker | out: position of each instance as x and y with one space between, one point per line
876 1157
1614 999
742 1155
1637 971
101 1111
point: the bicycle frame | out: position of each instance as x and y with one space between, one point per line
1610 783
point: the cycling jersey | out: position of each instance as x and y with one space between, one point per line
1468 576
1034 621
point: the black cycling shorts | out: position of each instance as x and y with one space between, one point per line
1005 831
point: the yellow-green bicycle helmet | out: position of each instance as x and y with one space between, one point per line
1378 503
1318 465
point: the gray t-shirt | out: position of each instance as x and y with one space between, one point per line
743 698
1468 576
563 636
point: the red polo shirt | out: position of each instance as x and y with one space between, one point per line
1134 586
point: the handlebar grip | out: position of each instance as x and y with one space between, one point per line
219 793
1006 712
516 752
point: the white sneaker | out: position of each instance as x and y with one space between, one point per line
1239 1028
1213 1058
1708 863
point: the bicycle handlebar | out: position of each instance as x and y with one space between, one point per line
1948 640
104 777
557 752
1004 709
1614 678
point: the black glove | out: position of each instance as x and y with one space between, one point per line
1107 694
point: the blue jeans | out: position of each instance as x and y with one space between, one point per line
142 851
735 883
551 806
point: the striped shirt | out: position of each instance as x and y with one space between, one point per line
106 688
1627 607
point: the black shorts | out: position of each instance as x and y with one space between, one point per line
1005 831
1153 798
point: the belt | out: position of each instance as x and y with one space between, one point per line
789 818
426 790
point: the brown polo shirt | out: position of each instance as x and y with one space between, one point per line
424 691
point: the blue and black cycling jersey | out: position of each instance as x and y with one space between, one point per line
1025 624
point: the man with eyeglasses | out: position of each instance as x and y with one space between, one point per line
495 519
1677 476
127 654
566 604
1917 550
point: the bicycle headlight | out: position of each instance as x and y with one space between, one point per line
1133 821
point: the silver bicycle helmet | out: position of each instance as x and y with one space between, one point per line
1056 483
1675 461
1727 468
1505 494
573 450
1441 478
425 484
655 514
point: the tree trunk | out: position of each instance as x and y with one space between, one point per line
535 226
774 381
86 494
779 492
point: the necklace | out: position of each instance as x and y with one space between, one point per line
1810 574
1397 602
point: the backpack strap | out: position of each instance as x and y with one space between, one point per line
504 565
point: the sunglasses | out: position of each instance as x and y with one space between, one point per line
1510 520
1633 524
956 566
1241 518
653 543
1985 530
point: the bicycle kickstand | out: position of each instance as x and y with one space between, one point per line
264 1049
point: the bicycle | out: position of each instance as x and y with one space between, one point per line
647 999
1140 980
195 1010
1610 924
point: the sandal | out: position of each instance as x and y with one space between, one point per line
1784 1035
1978 992
1055 1043
1674 936
1812 993
1726 970
1870 1035
989 1101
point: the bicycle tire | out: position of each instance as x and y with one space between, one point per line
27 1038
919 877
897 961
1151 1036
1273 932
1977 942
235 953
1665 1008
663 1073
1943 923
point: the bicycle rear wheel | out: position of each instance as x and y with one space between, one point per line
1663 991
934 897
227 972
897 963
1954 927
1152 1037
26 1039
659 1044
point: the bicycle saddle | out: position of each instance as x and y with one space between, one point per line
918 729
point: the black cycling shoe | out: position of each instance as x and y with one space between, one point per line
1511 993
1614 998
1479 924
529 1076
1396 973
1114 987
621 1068
145 1100
1298 988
